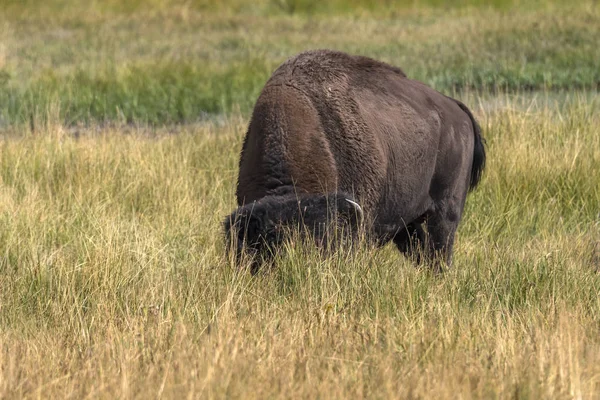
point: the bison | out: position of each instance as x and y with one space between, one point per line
344 140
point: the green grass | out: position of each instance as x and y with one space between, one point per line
20 8
161 65
120 132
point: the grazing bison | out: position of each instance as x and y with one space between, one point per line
353 141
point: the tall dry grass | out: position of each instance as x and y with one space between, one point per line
114 283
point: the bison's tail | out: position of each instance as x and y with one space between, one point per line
478 150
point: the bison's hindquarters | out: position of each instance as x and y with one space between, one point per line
258 230
454 183
479 156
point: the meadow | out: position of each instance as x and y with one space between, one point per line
120 132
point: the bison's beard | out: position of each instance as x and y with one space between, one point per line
257 231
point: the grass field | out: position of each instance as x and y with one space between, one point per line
164 65
120 131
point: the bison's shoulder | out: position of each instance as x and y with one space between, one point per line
321 66
337 60
369 65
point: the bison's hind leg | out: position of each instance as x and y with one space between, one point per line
433 246
441 230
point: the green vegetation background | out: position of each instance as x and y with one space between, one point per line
163 62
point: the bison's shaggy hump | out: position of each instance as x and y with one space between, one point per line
328 123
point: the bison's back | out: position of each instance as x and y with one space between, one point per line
329 121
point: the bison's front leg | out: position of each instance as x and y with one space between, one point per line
411 241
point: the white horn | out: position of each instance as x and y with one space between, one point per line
357 207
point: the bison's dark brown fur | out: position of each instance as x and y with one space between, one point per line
328 127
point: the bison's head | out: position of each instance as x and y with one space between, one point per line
260 228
